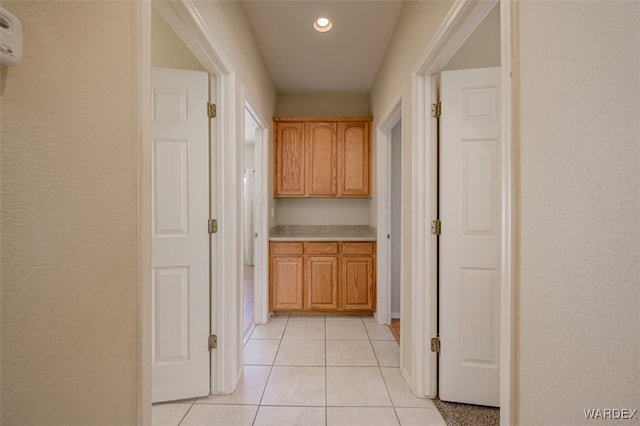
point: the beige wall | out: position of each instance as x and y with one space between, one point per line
417 23
579 288
323 211
68 175
167 50
309 104
482 48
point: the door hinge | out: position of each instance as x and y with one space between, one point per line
436 227
436 109
213 341
212 110
213 226
435 344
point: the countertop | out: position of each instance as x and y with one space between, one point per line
322 233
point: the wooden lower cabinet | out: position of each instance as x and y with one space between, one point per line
327 277
357 283
321 282
286 270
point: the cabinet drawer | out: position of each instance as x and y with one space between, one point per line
279 249
321 248
357 248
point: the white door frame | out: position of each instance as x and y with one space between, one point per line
261 248
458 25
383 196
226 360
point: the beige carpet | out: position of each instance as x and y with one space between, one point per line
455 414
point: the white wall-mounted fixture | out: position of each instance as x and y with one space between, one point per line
10 38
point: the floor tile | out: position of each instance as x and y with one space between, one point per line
271 330
346 329
301 353
290 416
249 391
260 351
387 353
344 318
295 386
361 416
220 415
309 329
356 386
420 417
401 395
369 319
378 331
349 353
168 414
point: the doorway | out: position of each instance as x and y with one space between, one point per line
469 209
249 228
395 217
460 24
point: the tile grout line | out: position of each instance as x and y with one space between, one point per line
326 388
188 410
255 417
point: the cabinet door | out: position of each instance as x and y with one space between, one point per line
357 283
286 282
289 160
321 282
353 159
321 158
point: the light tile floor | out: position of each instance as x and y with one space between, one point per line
311 371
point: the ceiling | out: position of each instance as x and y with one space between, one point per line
343 60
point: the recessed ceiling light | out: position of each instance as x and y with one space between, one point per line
322 25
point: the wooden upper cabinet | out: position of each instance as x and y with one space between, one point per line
289 159
322 157
353 159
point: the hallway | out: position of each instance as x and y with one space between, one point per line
312 371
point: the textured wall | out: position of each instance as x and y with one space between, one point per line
579 299
482 48
167 50
300 104
323 211
68 174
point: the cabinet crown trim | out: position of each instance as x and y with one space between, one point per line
323 118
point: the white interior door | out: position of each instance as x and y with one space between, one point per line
180 238
469 284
